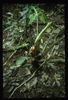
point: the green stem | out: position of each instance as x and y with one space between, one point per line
42 33
52 46
36 17
15 48
53 60
37 25
57 60
37 41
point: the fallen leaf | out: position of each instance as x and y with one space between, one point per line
41 40
44 77
48 30
57 30
34 81
31 83
23 90
27 71
4 84
56 79
58 83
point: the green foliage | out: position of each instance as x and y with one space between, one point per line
8 28
24 12
49 64
42 18
26 65
11 15
9 22
20 50
4 45
12 67
20 60
33 12
34 16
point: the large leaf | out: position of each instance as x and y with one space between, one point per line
20 60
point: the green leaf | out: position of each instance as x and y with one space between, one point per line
44 16
8 22
26 65
4 44
20 60
24 12
42 19
48 64
32 18
20 50
8 27
9 13
12 67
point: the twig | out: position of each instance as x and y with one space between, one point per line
9 57
26 80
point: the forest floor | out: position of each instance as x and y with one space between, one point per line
48 82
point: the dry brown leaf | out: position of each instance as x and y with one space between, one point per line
57 30
44 77
31 83
27 71
41 40
48 30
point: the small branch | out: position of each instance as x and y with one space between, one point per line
10 57
15 48
26 80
